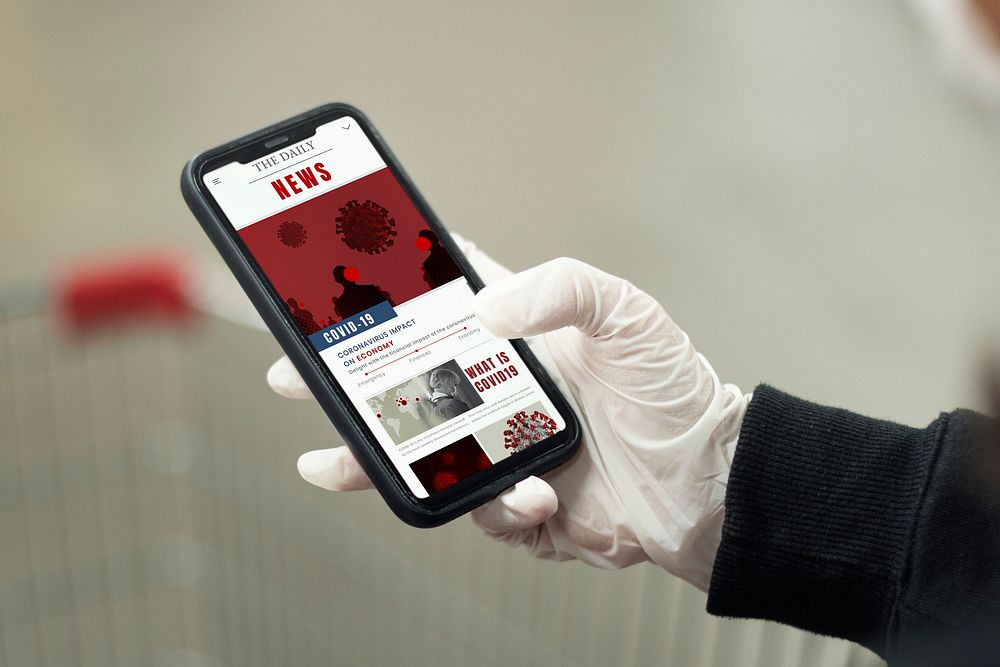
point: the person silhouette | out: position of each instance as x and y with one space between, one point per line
439 268
355 298
303 317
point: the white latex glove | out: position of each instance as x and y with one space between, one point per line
659 428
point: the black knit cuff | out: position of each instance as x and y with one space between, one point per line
819 509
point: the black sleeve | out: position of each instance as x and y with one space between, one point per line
859 528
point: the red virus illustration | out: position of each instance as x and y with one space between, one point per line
524 430
451 464
443 479
366 227
292 234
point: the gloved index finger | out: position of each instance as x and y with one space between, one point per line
333 469
286 381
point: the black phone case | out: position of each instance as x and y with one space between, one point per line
443 506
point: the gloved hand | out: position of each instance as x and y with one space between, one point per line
659 428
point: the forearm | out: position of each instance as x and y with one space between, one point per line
840 524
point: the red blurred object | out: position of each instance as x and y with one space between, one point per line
137 288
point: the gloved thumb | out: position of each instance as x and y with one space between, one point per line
561 293
630 343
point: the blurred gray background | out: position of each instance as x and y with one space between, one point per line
801 188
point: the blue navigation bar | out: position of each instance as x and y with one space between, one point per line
356 325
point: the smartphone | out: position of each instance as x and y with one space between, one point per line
370 298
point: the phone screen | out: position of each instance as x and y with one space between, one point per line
385 306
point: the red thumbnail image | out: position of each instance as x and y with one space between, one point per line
349 249
450 464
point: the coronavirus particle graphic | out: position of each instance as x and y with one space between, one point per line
292 234
366 227
524 430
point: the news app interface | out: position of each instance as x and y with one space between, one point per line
385 306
